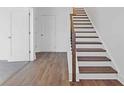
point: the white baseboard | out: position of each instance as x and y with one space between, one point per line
70 77
121 78
77 77
3 60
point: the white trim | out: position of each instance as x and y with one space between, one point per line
87 34
89 46
77 69
79 16
32 54
69 58
77 77
87 39
84 29
70 77
82 25
121 78
92 54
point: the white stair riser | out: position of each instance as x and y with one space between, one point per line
80 16
88 39
81 13
92 54
83 26
89 46
86 34
81 22
84 29
98 76
80 19
80 8
87 63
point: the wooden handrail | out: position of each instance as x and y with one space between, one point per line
73 45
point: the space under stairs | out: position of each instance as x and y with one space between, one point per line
92 59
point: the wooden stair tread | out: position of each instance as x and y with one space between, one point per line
80 12
97 82
88 43
90 50
85 31
93 58
87 37
80 15
77 9
105 69
82 27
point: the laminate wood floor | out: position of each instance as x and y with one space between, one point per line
50 69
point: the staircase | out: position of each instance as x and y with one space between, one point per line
91 58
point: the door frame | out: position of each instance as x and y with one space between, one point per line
32 55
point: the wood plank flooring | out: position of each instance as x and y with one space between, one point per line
50 69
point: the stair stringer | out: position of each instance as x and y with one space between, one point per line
100 37
96 75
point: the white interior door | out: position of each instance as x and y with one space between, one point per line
20 34
46 34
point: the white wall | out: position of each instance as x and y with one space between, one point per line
62 25
110 24
4 33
